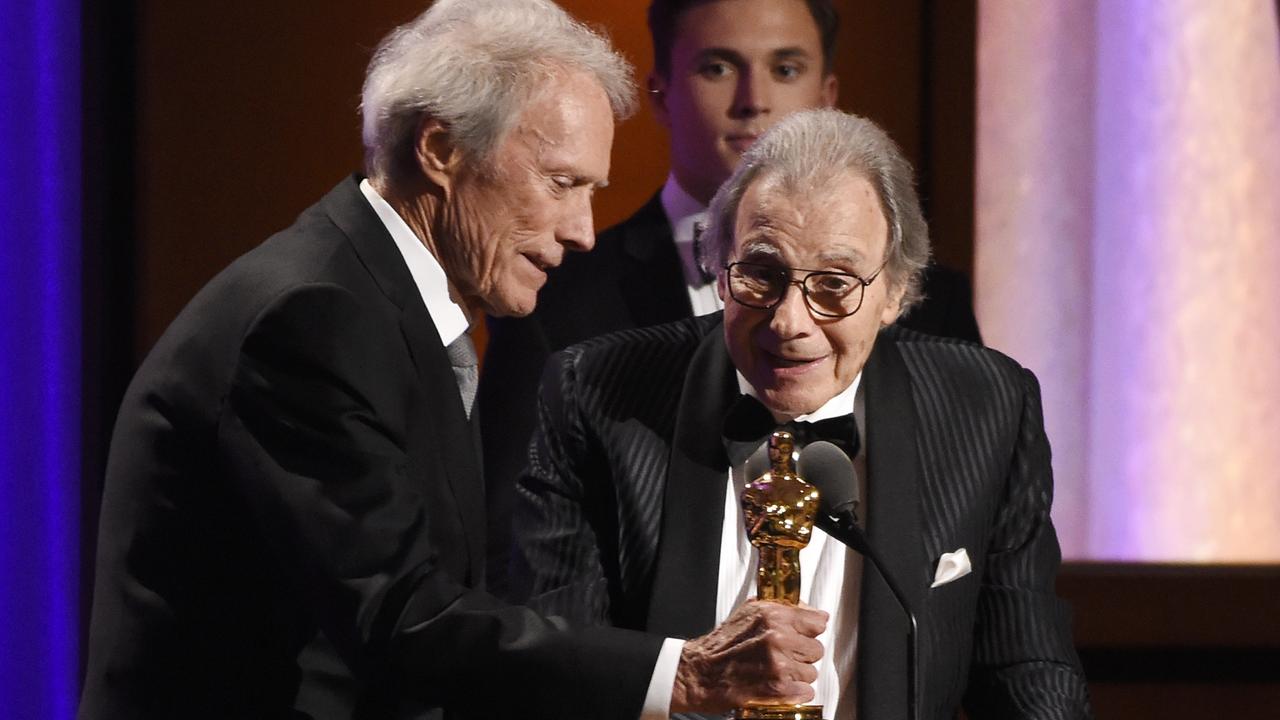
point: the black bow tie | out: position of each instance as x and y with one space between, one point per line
748 424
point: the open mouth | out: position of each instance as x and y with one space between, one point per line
792 364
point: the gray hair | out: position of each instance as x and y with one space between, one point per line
807 150
475 65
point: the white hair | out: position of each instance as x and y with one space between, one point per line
474 65
804 152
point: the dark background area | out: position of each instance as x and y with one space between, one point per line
208 126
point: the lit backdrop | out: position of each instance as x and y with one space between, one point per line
1128 251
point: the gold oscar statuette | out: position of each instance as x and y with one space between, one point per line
778 508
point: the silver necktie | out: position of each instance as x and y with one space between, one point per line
462 356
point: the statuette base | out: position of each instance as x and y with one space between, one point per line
778 712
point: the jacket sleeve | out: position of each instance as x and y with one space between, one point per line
1024 664
559 516
516 352
313 433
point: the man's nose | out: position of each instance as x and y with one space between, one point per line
576 230
792 317
752 95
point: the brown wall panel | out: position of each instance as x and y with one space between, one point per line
247 114
639 162
879 63
948 132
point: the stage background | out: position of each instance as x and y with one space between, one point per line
208 126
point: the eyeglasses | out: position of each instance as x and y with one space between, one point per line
827 293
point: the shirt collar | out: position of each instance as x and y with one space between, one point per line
428 275
684 212
681 209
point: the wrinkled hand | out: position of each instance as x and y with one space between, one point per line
763 651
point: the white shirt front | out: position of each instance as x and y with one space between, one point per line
428 275
685 213
830 573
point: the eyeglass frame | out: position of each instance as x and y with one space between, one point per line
801 283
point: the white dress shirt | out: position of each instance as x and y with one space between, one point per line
451 322
428 275
684 213
830 573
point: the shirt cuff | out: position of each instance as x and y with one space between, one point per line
657 701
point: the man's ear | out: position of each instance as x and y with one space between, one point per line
893 308
830 90
437 155
657 94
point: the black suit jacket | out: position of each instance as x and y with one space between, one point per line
292 522
632 279
619 517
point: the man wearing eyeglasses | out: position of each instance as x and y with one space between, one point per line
629 514
724 71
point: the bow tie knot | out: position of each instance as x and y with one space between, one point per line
748 424
840 431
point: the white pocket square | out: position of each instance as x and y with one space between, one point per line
952 566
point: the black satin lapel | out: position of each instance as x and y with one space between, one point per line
347 206
456 443
683 603
652 281
893 526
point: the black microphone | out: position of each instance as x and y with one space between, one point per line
827 468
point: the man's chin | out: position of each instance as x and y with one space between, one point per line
784 405
517 305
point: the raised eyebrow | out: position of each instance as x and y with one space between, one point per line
760 247
852 256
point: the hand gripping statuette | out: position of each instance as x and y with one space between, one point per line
779 508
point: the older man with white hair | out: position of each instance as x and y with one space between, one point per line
292 520
630 514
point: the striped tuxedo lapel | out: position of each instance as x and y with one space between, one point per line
683 599
893 526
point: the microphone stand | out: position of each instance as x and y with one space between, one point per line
844 528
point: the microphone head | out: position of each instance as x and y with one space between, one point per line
827 468
758 464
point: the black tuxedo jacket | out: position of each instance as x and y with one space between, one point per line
619 516
632 279
292 523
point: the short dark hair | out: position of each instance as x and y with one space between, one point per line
663 15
